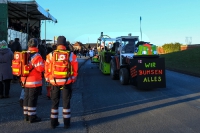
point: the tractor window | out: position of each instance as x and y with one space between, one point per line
128 46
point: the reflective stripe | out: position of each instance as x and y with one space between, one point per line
66 110
25 107
60 73
60 80
66 116
26 72
31 113
15 70
25 112
73 77
38 64
54 110
32 108
33 83
36 54
54 116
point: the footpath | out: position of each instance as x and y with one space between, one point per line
11 114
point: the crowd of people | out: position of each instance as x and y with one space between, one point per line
81 52
17 25
40 61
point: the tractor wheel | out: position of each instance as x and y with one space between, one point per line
124 76
113 69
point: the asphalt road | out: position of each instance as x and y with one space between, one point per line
102 105
110 107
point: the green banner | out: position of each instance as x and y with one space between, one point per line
3 21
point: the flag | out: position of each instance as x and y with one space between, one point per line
140 27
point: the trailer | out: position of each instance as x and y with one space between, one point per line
137 63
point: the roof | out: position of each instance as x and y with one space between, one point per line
20 9
108 39
127 37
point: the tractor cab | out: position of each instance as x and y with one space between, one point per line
126 47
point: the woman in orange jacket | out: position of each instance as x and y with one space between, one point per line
32 82
61 78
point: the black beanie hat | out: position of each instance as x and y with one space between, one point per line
33 42
61 40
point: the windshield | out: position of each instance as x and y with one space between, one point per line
128 46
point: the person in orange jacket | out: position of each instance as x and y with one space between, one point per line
32 82
64 83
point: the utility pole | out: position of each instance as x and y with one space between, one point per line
140 27
45 25
45 31
188 40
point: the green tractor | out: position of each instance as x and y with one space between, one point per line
137 63
105 52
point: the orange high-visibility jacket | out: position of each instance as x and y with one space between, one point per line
34 79
74 69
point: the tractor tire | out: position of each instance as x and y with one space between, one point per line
124 76
113 69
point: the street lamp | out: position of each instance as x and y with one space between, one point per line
45 25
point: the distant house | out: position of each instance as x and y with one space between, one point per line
80 46
90 45
77 46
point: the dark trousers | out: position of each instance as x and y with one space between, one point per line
66 96
40 90
30 97
5 85
15 77
55 97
